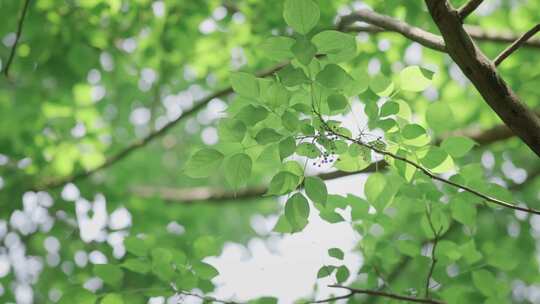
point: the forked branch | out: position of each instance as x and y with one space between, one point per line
483 75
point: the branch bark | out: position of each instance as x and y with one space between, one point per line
17 37
468 8
482 73
417 34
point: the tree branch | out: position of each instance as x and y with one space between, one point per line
419 35
468 8
516 45
483 75
377 293
475 32
17 37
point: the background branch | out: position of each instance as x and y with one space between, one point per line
17 37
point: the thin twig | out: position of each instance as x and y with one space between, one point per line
429 174
17 37
377 293
436 237
468 8
516 45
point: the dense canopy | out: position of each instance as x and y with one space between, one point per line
144 142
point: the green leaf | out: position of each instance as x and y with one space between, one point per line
316 189
380 189
304 50
437 160
342 274
485 282
350 163
277 95
297 212
204 163
409 248
439 117
463 211
245 84
336 253
205 246
331 216
308 150
457 146
282 183
136 246
301 15
232 130
325 271
162 255
381 85
337 102
163 270
112 298
374 186
294 167
251 114
110 274
291 76
389 108
204 270
415 79
469 252
286 147
266 136
415 135
333 76
186 281
238 169
78 295
283 225
359 207
277 48
137 265
337 45
290 121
